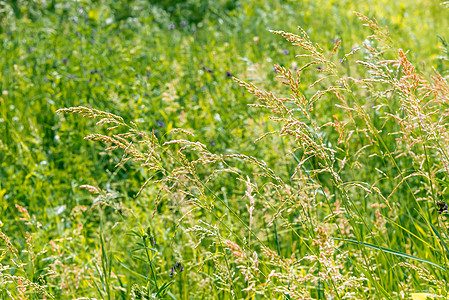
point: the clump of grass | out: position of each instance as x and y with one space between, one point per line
19 277
248 223
390 120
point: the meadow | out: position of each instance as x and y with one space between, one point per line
187 149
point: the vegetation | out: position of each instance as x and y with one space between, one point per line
214 150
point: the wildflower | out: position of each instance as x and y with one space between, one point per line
441 207
64 60
183 23
160 124
319 68
286 51
171 26
228 74
148 231
177 268
335 40
275 70
295 66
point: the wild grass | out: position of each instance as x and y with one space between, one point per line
331 184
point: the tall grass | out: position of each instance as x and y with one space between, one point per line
323 206
332 186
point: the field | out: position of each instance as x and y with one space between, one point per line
196 149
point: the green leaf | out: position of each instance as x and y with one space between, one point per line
394 252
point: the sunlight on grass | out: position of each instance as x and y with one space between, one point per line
186 149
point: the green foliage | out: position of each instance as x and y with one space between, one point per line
357 216
195 11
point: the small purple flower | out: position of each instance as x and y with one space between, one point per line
171 26
64 60
228 74
46 79
183 23
93 71
441 207
176 268
160 124
207 69
78 33
286 51
335 40
319 68
275 69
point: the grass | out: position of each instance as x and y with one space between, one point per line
339 201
